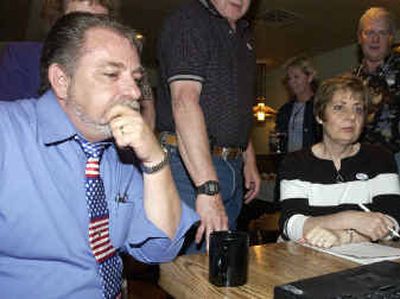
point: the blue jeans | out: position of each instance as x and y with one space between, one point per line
230 176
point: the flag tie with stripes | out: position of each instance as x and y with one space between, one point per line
109 264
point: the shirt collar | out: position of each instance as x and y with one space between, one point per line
380 69
242 23
208 5
53 124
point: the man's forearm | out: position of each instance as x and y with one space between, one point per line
161 201
193 142
249 156
194 149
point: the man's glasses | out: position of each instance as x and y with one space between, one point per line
372 33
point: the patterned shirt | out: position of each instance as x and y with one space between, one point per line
384 116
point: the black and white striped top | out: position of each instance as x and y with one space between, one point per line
313 187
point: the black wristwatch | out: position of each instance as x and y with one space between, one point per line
208 188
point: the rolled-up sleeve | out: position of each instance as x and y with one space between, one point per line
149 244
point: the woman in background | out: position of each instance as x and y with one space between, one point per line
325 188
295 122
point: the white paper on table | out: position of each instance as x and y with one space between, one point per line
362 253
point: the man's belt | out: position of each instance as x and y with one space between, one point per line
219 151
227 152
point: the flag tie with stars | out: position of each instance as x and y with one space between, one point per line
110 265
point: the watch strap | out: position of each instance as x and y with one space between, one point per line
209 188
157 167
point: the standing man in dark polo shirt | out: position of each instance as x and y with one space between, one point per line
204 111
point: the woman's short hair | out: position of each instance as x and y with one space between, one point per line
329 87
304 64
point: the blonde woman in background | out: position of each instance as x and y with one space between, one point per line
295 121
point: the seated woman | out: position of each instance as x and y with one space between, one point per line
295 122
322 187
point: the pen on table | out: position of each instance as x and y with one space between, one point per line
365 209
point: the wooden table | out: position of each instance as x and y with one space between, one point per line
270 265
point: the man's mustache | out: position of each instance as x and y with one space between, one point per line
130 103
133 104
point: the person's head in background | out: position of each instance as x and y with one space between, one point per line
54 9
232 11
300 78
376 30
340 106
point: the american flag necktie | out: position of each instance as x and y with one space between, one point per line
109 263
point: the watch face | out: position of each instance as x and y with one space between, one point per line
213 188
209 188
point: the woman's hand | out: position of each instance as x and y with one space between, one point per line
373 225
322 237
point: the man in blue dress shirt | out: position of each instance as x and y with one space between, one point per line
89 84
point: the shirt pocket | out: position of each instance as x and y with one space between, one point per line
121 216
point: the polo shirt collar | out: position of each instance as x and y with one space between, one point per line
54 125
242 23
207 4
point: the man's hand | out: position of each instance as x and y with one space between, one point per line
252 178
130 130
212 216
252 181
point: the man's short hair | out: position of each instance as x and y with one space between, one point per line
54 9
375 13
329 87
64 43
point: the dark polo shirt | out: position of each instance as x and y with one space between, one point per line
197 43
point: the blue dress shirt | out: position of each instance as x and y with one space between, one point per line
44 248
20 70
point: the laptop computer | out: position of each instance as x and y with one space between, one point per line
377 280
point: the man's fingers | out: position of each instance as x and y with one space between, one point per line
249 196
200 233
209 231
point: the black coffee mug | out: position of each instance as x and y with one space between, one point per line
228 258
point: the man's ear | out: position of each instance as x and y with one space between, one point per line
311 77
391 39
359 37
319 120
59 80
